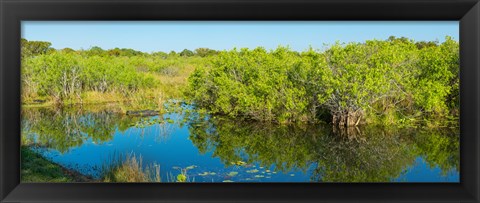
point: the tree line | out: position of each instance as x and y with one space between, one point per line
393 80
396 80
67 74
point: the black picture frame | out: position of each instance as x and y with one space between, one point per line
14 11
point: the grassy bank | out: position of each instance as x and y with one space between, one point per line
35 168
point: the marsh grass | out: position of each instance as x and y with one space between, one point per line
129 168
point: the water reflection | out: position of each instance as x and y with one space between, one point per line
216 146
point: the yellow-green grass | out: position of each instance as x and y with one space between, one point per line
130 170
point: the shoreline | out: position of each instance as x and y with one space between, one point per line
59 172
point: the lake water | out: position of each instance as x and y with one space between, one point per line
216 149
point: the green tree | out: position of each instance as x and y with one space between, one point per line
436 86
186 53
203 52
377 80
33 48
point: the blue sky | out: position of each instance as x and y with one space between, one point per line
165 36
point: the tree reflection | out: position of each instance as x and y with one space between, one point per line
368 154
62 129
377 155
440 147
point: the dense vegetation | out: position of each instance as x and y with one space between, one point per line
96 75
395 82
350 83
388 81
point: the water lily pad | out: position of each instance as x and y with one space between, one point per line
212 173
259 176
274 172
190 167
227 181
252 171
240 163
233 173
268 171
203 174
292 174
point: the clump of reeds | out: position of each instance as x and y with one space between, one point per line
129 169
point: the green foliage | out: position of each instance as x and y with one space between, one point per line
358 75
160 54
56 74
386 81
95 51
250 83
350 82
33 48
204 52
186 53
172 54
170 66
436 88
63 75
68 50
123 52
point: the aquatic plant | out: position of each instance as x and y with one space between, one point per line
233 173
129 169
252 171
182 176
239 163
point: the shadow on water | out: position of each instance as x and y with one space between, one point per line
215 149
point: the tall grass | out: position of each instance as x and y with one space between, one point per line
129 169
